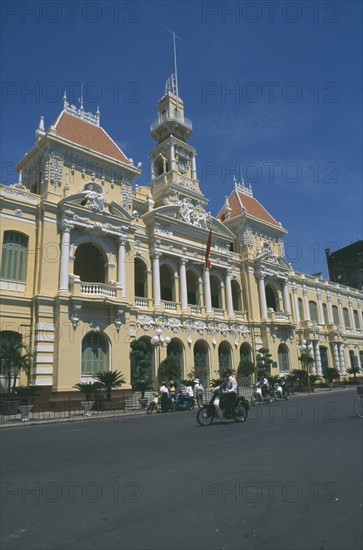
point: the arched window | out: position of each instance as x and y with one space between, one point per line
325 313
201 362
14 256
140 275
175 349
245 352
356 320
336 315
346 318
313 308
224 358
353 359
193 288
89 264
301 309
271 298
95 354
283 358
236 296
166 284
215 290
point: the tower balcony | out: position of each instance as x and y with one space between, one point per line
171 118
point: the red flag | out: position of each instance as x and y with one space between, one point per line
209 243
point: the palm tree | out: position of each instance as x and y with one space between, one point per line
110 379
89 389
354 370
13 360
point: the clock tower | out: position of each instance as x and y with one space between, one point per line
173 160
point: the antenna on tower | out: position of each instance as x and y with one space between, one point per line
175 65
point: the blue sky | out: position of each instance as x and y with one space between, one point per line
273 90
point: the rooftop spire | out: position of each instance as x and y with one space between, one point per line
172 82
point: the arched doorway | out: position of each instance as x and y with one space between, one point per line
271 298
89 264
201 362
176 349
224 358
283 358
140 275
167 283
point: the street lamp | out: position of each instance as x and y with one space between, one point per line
306 358
158 341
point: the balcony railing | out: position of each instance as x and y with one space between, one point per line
98 289
141 302
171 118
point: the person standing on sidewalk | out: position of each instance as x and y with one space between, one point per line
199 393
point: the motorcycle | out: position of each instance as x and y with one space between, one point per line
208 413
280 392
261 396
154 405
183 402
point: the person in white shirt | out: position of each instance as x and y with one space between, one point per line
199 392
164 400
229 389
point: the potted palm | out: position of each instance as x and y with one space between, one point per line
330 375
108 380
26 395
90 390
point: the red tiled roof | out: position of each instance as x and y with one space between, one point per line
87 135
238 200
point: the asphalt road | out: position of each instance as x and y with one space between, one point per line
288 478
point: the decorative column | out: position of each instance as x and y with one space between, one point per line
121 266
183 284
172 156
336 356
342 324
262 292
330 308
311 355
286 298
318 358
207 294
341 358
152 169
306 304
65 252
296 303
230 310
194 168
156 278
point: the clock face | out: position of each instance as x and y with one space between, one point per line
182 165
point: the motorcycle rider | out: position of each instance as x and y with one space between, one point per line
262 386
227 399
164 400
281 385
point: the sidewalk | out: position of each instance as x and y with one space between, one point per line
50 417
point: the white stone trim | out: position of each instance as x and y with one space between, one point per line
44 370
41 381
17 219
44 359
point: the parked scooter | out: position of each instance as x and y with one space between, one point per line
208 413
183 402
154 405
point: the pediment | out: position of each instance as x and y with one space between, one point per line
175 216
94 202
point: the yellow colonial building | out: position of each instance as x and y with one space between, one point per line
91 261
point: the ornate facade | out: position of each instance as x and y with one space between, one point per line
91 261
